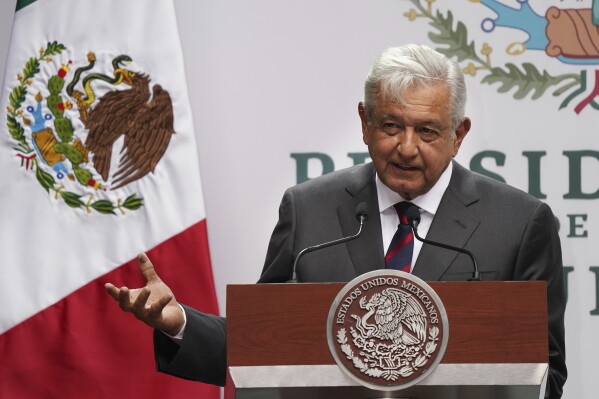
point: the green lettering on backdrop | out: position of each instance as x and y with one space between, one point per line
534 172
575 226
303 158
358 157
575 159
476 163
595 269
575 168
567 270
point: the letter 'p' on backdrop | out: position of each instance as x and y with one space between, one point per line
274 87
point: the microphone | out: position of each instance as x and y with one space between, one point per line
361 215
413 215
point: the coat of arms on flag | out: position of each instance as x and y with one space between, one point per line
85 131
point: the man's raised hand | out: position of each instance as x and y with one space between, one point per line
153 304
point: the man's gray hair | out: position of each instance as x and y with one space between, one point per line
400 68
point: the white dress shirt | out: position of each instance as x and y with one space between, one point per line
427 202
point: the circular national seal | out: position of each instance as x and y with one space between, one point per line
387 330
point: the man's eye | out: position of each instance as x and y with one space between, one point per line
428 133
391 128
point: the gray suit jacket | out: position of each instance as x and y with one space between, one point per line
512 235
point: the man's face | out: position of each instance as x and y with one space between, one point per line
412 144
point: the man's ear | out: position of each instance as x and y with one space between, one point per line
364 119
460 133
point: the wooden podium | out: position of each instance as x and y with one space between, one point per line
277 345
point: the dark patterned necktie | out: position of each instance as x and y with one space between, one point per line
399 254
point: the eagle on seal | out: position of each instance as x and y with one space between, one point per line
397 317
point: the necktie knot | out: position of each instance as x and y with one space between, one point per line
401 209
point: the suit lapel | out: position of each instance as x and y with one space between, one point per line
366 252
453 224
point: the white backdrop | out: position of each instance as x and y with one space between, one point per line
268 78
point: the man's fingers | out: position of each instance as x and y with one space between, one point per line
124 301
142 298
112 290
146 268
156 307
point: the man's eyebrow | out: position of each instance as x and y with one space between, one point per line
435 123
389 116
431 122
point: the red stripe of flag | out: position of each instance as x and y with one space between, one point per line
84 346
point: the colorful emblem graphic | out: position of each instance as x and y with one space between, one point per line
571 36
387 330
85 133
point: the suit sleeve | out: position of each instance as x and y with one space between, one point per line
540 258
202 355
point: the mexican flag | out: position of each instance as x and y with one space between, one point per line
99 163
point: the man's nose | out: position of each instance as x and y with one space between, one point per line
407 143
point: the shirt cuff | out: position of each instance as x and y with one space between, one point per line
179 336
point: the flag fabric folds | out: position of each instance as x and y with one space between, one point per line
99 163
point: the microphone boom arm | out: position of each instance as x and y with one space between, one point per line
475 274
362 216
413 215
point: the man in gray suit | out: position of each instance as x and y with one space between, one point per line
413 122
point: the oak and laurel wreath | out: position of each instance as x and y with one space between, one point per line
405 371
17 132
527 78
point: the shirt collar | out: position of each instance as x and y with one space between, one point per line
428 201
